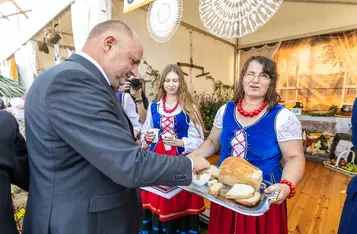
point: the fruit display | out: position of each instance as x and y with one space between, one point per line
342 166
342 163
318 143
350 167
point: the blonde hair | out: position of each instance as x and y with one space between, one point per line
184 97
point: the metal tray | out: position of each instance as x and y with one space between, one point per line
259 209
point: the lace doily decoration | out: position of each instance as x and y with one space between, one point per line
163 19
236 18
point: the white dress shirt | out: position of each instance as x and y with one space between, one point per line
81 53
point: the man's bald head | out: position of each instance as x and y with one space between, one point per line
105 27
117 48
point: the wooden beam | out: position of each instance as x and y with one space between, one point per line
6 16
324 2
19 8
3 16
189 26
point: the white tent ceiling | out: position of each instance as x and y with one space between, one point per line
295 18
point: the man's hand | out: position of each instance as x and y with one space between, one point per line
200 164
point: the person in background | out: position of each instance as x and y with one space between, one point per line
181 131
255 127
139 98
129 106
348 220
14 169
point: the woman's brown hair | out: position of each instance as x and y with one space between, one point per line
184 97
269 67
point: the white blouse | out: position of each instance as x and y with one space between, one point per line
194 138
129 107
287 125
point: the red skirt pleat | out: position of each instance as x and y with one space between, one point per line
182 204
226 221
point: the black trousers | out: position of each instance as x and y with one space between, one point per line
7 222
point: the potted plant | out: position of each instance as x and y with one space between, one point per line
10 89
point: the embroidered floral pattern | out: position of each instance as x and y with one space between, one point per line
290 130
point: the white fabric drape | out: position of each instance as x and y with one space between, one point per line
5 68
268 51
26 61
57 52
85 15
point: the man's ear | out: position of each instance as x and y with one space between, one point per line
109 42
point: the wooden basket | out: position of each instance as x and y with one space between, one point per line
336 168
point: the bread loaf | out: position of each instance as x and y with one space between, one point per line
236 170
252 201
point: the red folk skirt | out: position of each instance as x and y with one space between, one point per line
182 204
225 221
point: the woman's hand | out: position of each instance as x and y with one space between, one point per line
136 93
172 140
149 136
123 88
284 192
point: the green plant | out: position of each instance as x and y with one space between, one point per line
210 103
154 77
10 88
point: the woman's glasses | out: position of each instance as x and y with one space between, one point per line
261 76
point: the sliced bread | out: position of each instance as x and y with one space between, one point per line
239 191
252 201
215 188
214 171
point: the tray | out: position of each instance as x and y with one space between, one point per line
259 209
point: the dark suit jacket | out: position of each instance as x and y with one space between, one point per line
349 212
85 166
13 168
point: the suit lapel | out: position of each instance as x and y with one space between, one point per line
97 73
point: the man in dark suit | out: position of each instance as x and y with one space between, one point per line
348 220
85 167
13 168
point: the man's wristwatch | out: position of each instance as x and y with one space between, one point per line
138 101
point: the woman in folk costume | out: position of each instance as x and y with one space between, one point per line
181 131
255 127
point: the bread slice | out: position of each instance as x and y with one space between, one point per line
212 182
252 201
239 191
236 170
215 188
214 171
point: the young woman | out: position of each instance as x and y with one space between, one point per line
180 131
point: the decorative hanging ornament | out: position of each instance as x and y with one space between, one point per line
236 18
163 19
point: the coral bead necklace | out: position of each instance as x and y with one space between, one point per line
251 113
164 106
